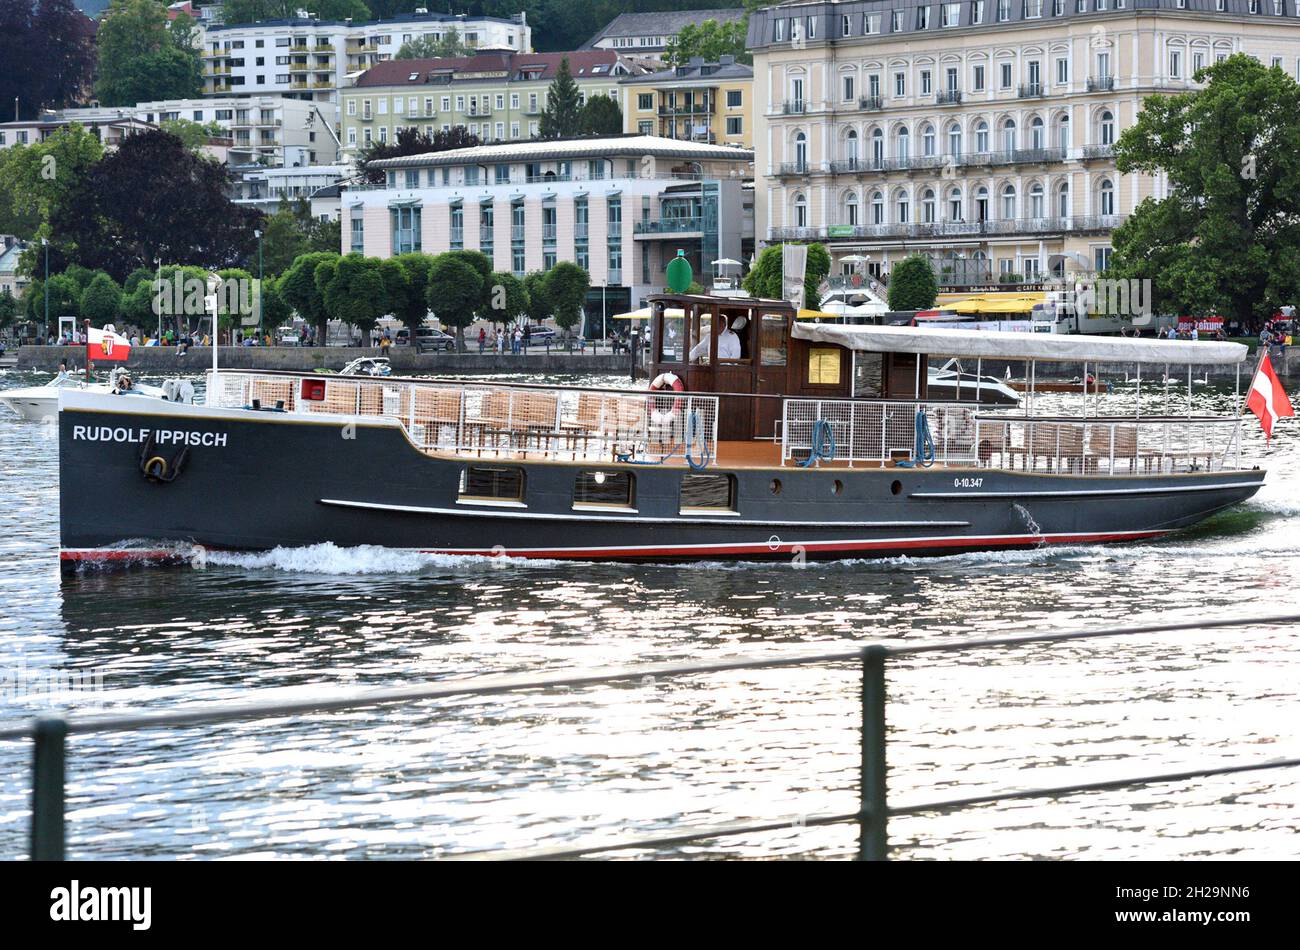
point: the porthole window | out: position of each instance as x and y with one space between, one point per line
491 484
837 487
775 485
895 488
603 489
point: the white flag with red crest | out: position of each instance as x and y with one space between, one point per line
1266 398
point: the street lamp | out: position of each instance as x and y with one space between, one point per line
45 324
258 234
157 302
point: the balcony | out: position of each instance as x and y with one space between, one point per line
787 169
299 67
797 234
794 107
517 232
1101 84
950 98
1031 90
366 117
548 233
615 276
871 103
580 231
850 166
532 110
479 112
1085 224
1024 156
664 227
690 108
363 48
1098 151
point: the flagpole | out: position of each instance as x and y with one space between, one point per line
1259 364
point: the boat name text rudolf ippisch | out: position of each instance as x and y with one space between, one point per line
160 436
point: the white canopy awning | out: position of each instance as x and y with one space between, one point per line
1011 345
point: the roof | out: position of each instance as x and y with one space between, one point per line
697 70
610 146
1008 345
9 259
583 64
515 20
664 23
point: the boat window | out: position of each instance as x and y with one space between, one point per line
603 489
868 370
824 366
708 493
492 483
773 339
674 339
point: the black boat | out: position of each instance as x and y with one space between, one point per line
816 441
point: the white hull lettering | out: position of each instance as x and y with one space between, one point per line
160 436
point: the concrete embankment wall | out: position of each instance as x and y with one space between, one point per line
160 360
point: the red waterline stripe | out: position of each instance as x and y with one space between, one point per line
120 554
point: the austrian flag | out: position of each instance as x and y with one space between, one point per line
1267 399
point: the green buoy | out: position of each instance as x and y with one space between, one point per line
679 272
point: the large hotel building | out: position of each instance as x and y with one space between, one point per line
977 132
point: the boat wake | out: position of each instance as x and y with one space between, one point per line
329 558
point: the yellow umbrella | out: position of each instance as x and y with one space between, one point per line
818 315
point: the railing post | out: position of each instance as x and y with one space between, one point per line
873 832
48 771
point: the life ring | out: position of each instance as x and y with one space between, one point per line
666 382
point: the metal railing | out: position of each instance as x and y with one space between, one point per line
669 225
949 97
1101 83
875 431
48 839
482 420
1077 224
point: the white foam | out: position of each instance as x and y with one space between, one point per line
329 558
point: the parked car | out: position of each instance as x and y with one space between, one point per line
537 335
427 338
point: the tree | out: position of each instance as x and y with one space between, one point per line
275 311
101 301
237 300
153 199
194 135
426 47
540 304
47 52
284 239
411 141
298 288
9 308
483 265
139 58
455 293
601 116
765 278
413 308
562 117
65 299
567 285
508 299
1225 240
353 290
37 178
710 40
912 285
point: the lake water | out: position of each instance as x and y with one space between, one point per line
547 768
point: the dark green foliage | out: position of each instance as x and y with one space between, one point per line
912 285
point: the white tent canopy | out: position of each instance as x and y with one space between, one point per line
992 344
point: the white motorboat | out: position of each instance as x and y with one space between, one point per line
950 381
41 403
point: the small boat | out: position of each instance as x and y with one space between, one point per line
950 381
41 403
367 366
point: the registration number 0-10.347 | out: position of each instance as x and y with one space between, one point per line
967 482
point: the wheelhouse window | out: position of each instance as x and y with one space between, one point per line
772 339
672 347
709 493
492 484
597 489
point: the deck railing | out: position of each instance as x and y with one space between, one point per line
482 420
878 432
50 735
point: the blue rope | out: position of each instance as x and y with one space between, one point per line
923 447
823 444
693 430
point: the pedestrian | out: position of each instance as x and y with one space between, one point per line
518 341
1195 333
482 340
501 342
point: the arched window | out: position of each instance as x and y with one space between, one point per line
1009 135
1106 128
954 205
904 208
927 140
851 209
877 148
1063 133
1008 202
981 204
954 140
1063 200
800 211
1037 134
904 144
851 149
801 151
1106 196
877 208
927 206
1036 200
981 136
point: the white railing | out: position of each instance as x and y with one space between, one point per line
844 430
479 420
865 431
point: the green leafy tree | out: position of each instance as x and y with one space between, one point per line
275 312
411 141
195 135
101 301
139 58
40 178
353 290
1225 240
912 284
567 284
236 300
284 240
483 265
540 305
426 47
298 288
765 277
46 56
65 299
9 309
601 116
709 40
413 308
397 288
455 293
508 300
562 117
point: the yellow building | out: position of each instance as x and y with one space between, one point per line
698 102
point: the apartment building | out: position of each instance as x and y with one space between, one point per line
978 132
311 59
317 185
646 35
109 126
697 102
620 207
497 96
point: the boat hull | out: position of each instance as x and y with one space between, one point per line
260 480
37 404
